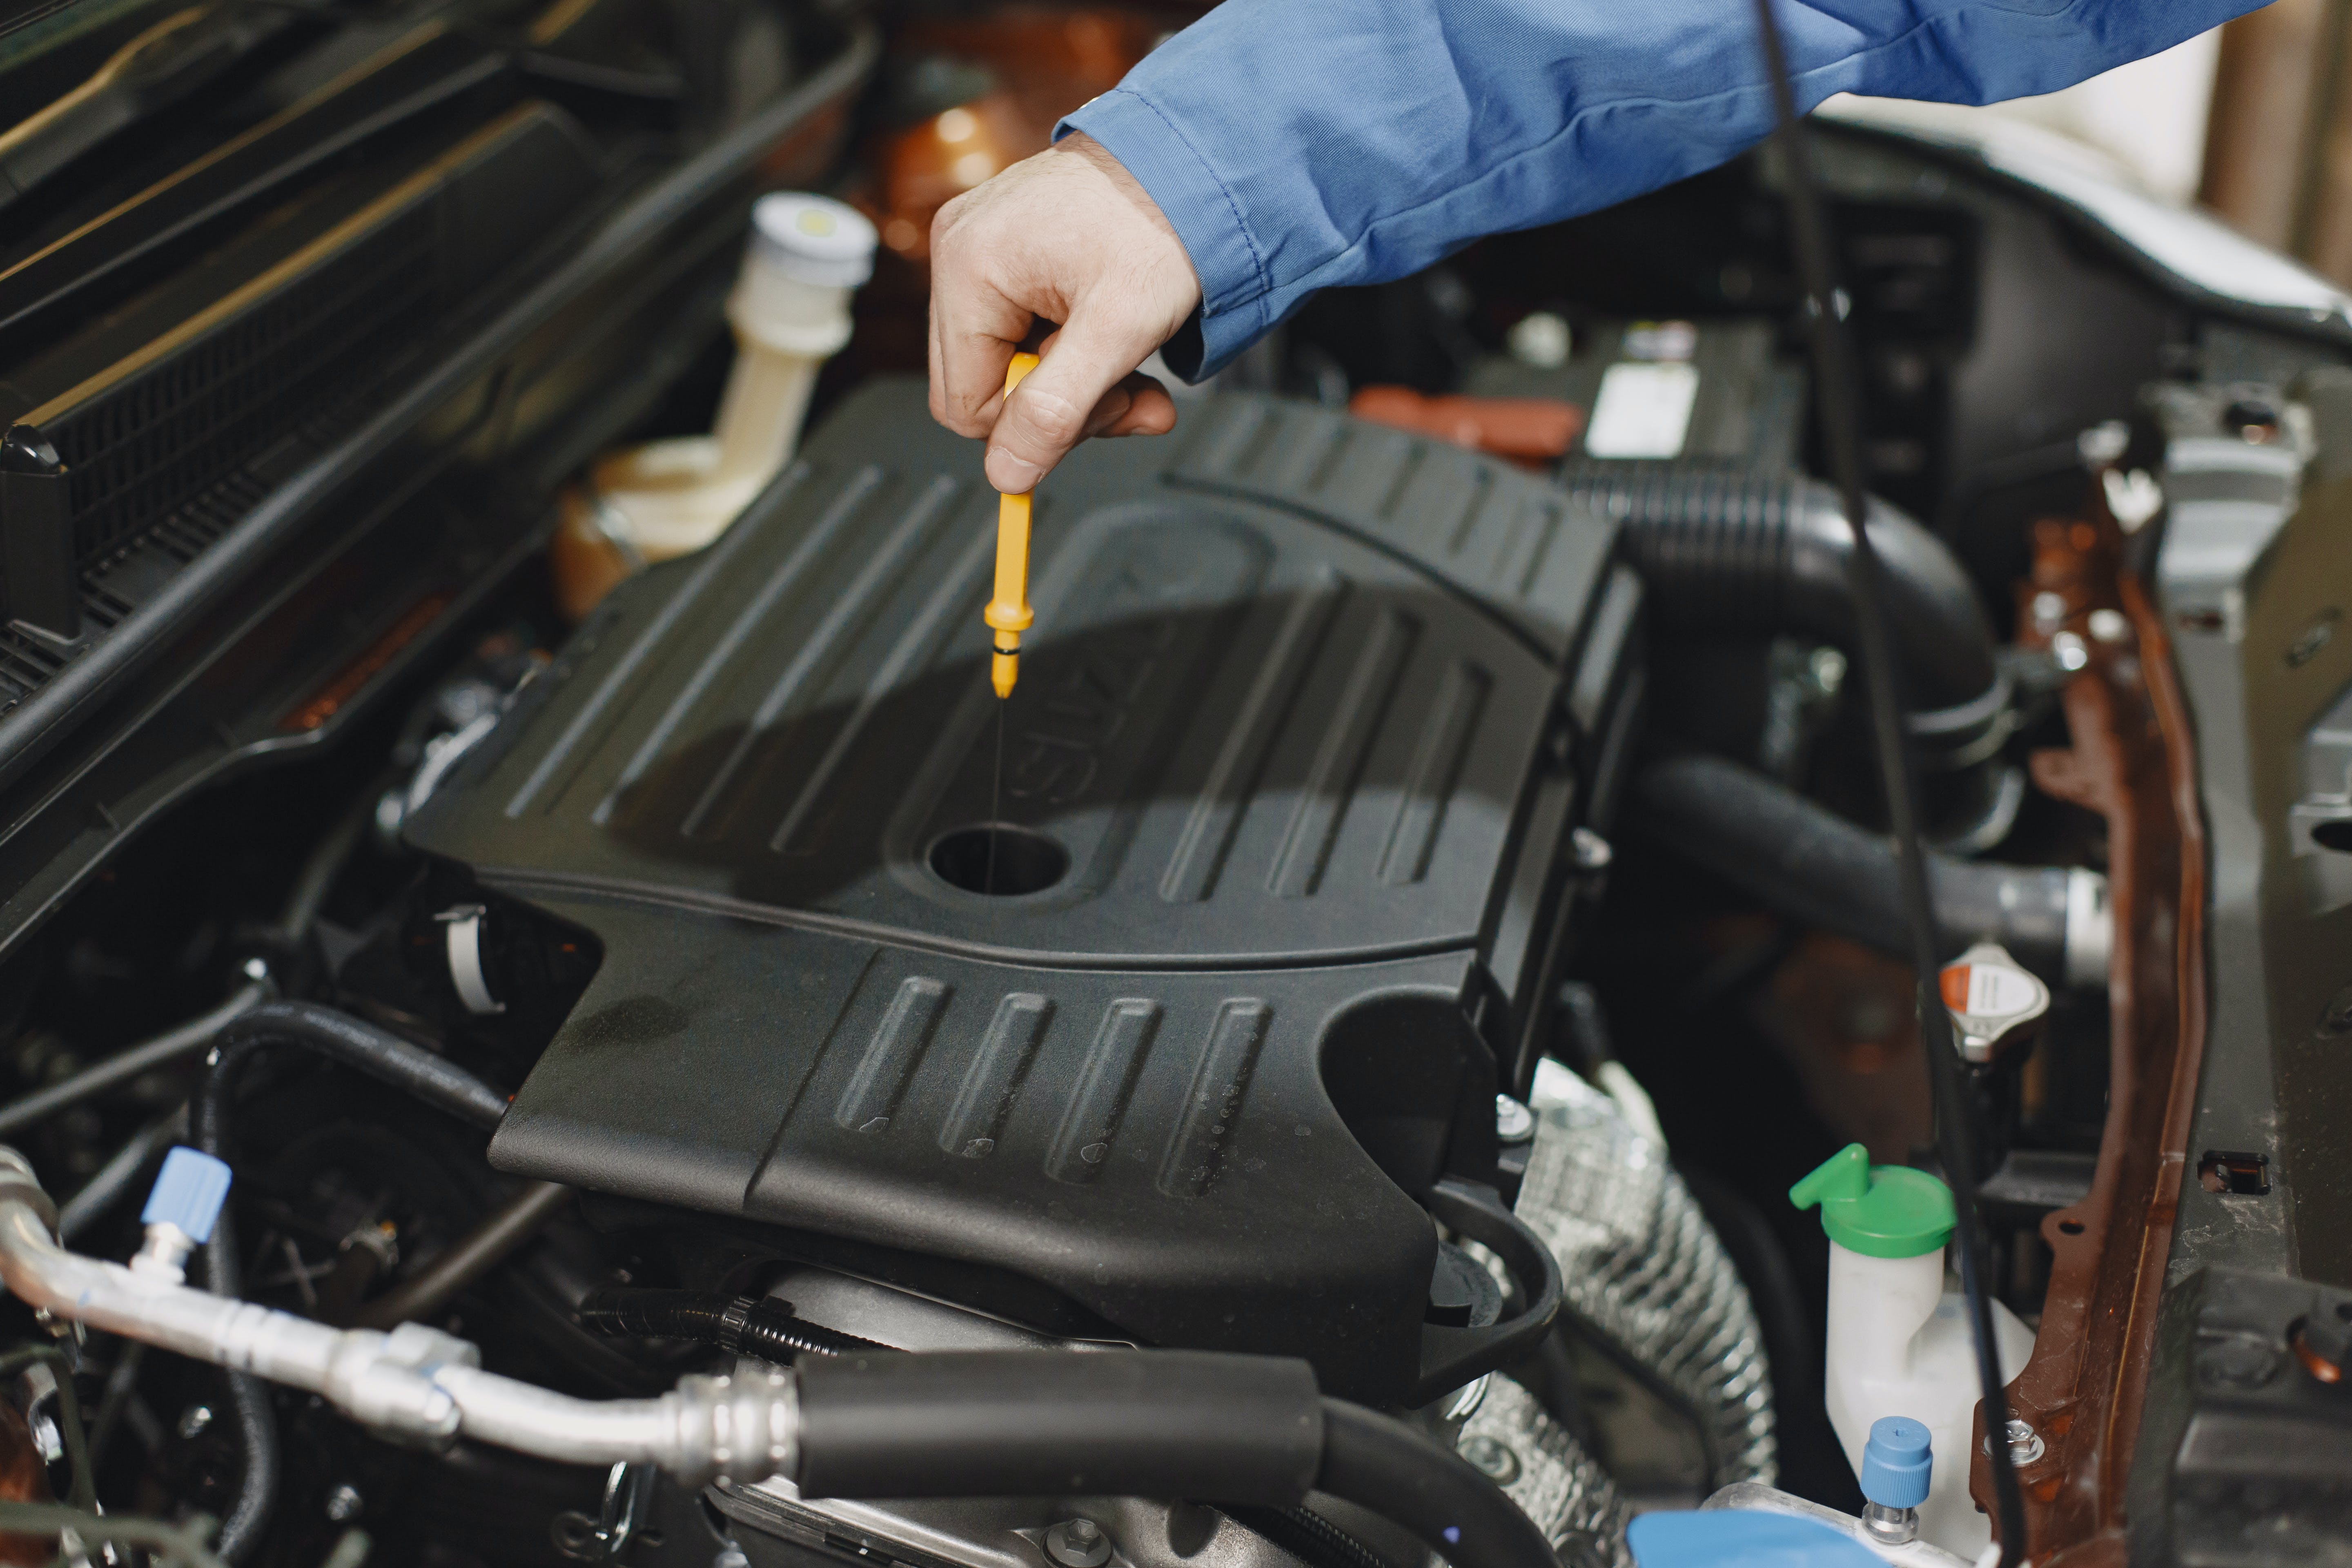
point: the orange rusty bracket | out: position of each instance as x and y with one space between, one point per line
2131 760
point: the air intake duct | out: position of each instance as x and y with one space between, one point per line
1737 549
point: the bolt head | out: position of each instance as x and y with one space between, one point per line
2237 1364
2025 1443
344 1504
1078 1543
194 1421
1513 1123
1491 1458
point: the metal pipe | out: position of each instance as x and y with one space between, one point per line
468 1257
168 1046
414 1382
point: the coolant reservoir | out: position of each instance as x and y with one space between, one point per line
1898 1341
790 310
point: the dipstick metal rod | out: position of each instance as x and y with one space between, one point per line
1008 614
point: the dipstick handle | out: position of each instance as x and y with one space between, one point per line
1008 614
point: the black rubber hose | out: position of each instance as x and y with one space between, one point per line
379 1055
1226 1429
766 1327
1385 1465
760 1326
1732 549
373 1051
250 1408
1189 1423
1806 861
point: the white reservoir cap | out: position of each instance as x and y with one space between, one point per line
814 239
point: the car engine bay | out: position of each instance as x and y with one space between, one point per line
1423 923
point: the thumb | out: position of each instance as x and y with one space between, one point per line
1052 410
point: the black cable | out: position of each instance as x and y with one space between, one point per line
379 1055
761 1326
1841 431
1384 1465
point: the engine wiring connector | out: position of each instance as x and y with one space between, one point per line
181 1212
1008 614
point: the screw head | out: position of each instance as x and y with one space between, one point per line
2110 626
194 1421
344 1504
1078 1543
2025 1443
1491 1458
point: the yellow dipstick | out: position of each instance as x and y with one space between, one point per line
1008 615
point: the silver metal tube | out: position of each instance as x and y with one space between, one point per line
511 1415
414 1381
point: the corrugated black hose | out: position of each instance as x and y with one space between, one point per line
381 1056
1306 1535
1743 550
761 1326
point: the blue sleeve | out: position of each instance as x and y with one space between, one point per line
1296 144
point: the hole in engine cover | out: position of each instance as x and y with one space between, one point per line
999 859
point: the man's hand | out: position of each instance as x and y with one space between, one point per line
1067 236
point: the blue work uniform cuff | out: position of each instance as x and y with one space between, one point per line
1207 221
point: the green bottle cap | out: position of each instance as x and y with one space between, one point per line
1879 1210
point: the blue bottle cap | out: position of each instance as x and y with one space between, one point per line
1896 1462
1742 1538
189 1192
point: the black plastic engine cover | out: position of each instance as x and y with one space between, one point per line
1295 710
